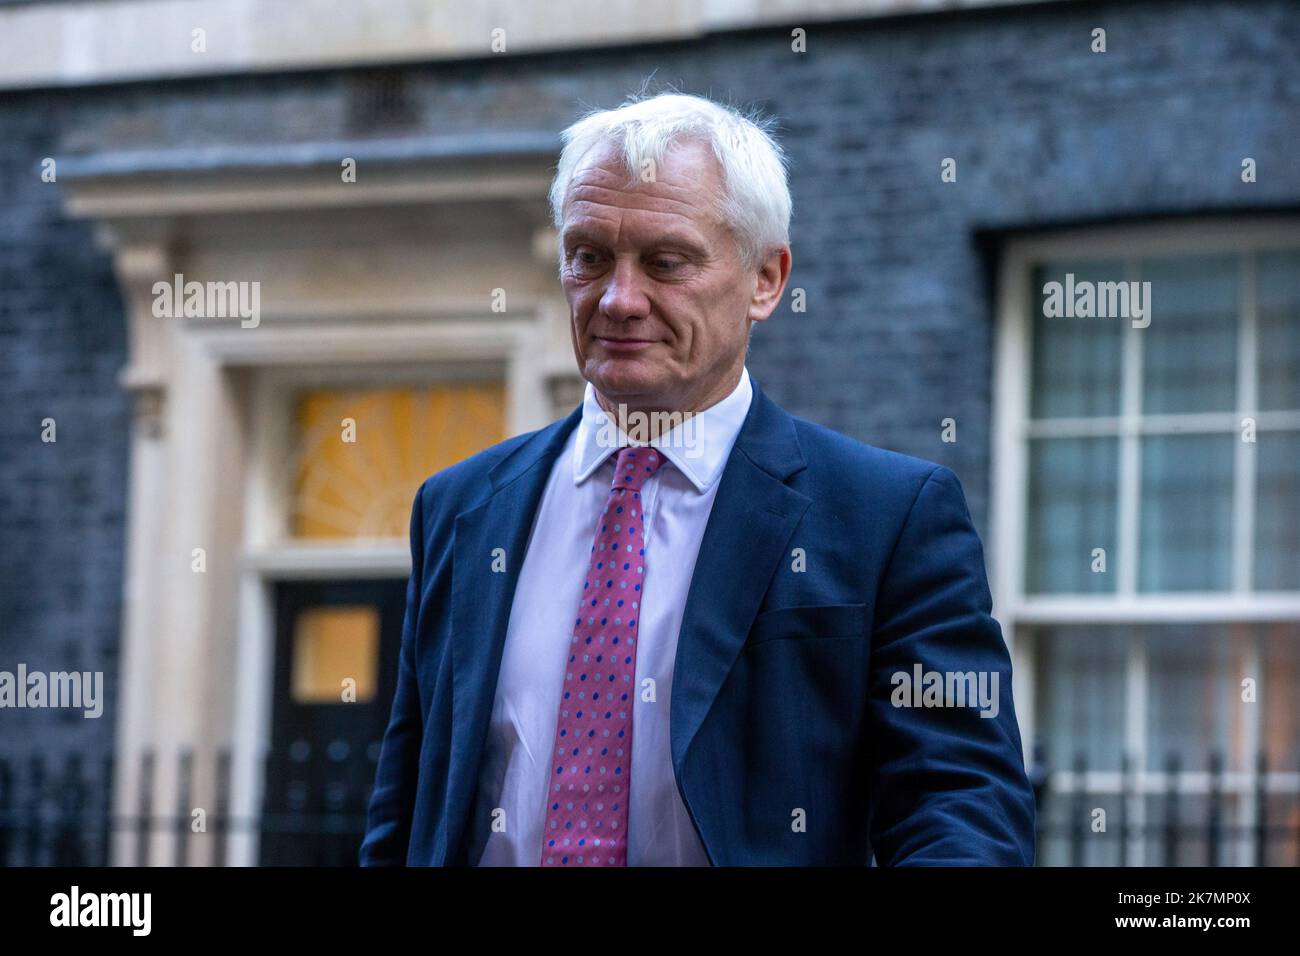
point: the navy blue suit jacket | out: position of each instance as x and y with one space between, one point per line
787 744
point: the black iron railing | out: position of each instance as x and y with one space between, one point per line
56 812
1179 815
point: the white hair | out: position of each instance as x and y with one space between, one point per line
755 203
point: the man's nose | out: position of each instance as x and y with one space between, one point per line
624 297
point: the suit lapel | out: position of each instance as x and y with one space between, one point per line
753 517
480 608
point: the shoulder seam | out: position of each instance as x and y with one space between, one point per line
889 562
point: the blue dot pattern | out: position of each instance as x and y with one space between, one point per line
586 808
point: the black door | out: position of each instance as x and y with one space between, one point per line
336 650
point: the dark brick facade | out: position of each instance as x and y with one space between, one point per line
62 504
898 331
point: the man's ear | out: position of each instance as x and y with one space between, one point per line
773 273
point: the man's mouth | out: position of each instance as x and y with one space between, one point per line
624 345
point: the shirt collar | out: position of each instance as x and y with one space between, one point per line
698 446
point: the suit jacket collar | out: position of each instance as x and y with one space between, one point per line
767 438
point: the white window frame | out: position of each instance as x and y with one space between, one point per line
1012 430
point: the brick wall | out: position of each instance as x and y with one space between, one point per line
898 331
62 504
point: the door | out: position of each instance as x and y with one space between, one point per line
336 654
357 456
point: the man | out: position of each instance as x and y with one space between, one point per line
707 649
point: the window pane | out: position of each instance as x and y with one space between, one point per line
1279 732
1072 501
1076 361
1193 711
1080 695
1277 521
1278 282
1279 696
1186 508
1281 848
362 454
1190 348
1194 704
331 645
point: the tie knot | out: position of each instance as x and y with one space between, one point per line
635 465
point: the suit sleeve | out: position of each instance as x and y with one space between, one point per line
388 821
948 785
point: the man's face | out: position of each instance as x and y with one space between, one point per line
660 302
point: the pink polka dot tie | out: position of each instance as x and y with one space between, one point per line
586 807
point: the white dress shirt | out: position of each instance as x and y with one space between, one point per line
676 502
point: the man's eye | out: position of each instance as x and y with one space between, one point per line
666 265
